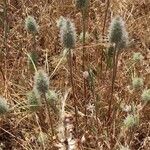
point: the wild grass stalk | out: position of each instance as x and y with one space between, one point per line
118 37
96 100
83 6
70 64
42 86
68 39
103 34
5 20
32 27
113 81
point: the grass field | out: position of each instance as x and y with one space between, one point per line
65 82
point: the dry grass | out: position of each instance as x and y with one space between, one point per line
20 129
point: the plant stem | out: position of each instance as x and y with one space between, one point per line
73 89
83 61
103 31
83 40
95 97
116 64
49 115
34 53
5 25
105 18
34 42
38 123
65 135
1 70
113 80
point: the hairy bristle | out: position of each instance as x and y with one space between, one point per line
68 34
41 82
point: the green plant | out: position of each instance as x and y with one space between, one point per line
137 83
137 57
52 98
130 121
81 4
146 95
68 38
41 84
118 37
33 100
32 27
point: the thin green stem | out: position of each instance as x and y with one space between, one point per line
34 53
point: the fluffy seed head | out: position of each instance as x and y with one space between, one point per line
137 82
41 82
146 95
31 25
110 51
118 33
68 34
130 121
33 100
81 4
137 57
3 106
42 138
51 96
61 22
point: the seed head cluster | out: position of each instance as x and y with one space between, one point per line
41 82
51 96
33 100
130 121
67 34
60 22
137 57
81 4
31 25
137 82
118 33
146 95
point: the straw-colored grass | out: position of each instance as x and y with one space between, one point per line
20 128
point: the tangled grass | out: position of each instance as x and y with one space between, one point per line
74 114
